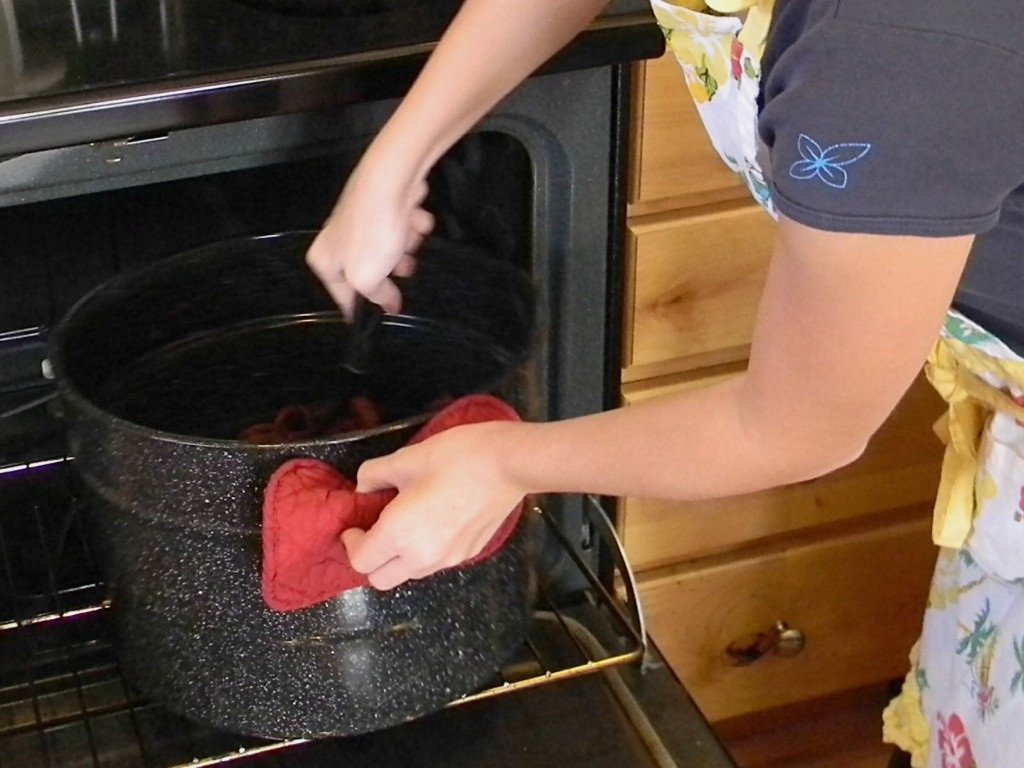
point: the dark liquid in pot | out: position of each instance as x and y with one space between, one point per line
217 384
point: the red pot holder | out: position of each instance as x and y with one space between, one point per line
308 503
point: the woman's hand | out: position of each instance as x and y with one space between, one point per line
379 220
453 494
372 233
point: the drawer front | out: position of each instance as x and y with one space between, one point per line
900 468
695 284
858 600
673 155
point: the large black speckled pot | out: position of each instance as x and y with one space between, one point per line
160 369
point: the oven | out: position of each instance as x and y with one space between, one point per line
133 130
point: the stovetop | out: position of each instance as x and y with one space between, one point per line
77 71
55 47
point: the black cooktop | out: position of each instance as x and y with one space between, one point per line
51 47
80 71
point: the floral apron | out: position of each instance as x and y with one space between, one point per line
721 59
962 705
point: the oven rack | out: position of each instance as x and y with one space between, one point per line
64 703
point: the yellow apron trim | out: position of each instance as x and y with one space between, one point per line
755 26
903 722
954 369
690 5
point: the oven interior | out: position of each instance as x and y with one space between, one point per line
62 700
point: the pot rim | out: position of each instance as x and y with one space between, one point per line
69 393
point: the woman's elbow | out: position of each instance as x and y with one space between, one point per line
812 456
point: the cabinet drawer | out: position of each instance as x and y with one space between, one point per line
858 600
899 468
695 282
672 154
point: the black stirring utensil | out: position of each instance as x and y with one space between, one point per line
366 318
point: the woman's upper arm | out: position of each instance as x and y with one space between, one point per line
845 324
903 151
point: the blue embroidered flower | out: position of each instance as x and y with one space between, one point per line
826 164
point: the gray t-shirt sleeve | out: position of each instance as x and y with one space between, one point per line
892 130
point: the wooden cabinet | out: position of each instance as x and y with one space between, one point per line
666 163
844 560
898 469
696 277
856 598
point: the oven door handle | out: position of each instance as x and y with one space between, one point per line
602 523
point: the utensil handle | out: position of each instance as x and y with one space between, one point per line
366 318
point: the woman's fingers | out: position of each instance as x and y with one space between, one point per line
366 551
412 242
406 266
393 551
366 240
421 221
390 566
343 294
451 499
362 278
385 294
379 474
392 574
368 556
405 544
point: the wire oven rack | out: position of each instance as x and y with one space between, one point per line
64 704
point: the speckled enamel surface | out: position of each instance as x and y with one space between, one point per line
177 517
194 634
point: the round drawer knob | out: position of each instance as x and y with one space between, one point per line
781 639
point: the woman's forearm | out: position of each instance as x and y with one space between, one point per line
489 48
693 445
839 340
